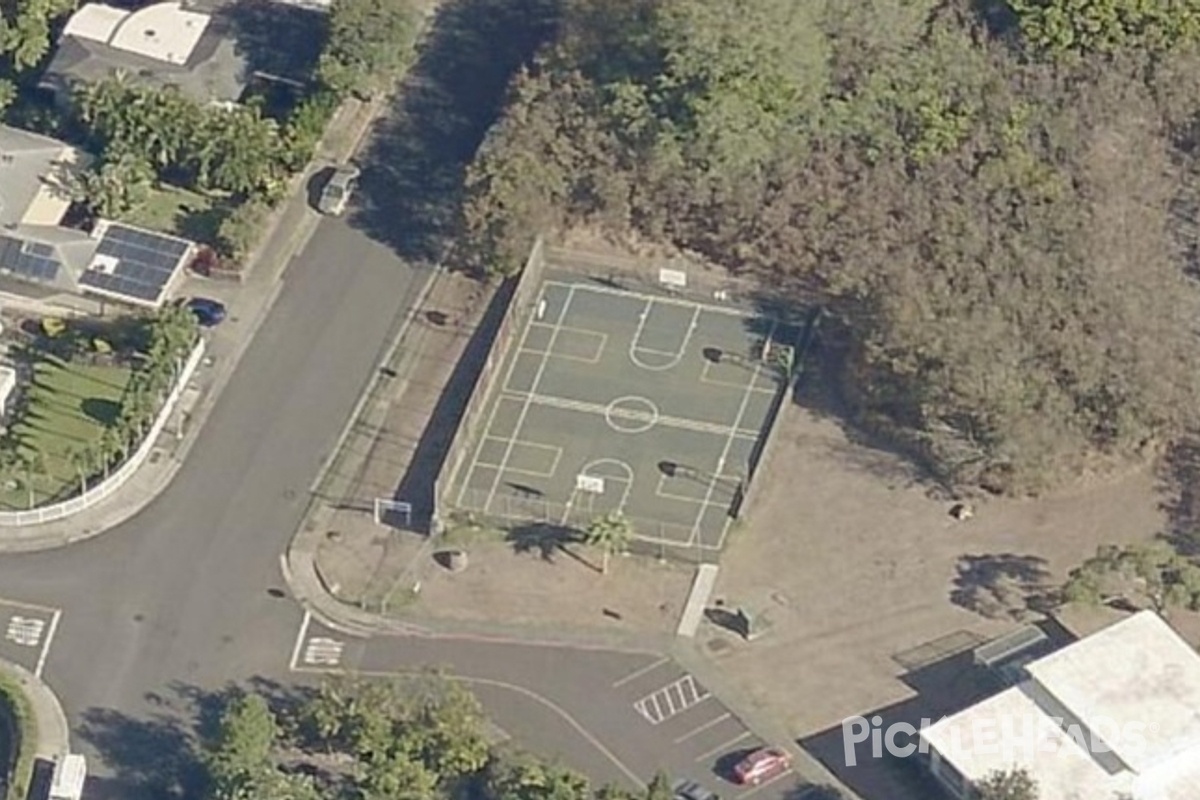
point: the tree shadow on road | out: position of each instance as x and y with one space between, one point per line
154 757
415 164
158 755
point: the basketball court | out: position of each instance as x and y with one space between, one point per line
651 405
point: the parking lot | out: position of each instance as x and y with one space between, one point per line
620 716
28 633
697 738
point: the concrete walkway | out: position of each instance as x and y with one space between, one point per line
53 733
248 302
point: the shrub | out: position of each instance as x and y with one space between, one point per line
22 734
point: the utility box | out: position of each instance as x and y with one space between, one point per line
70 772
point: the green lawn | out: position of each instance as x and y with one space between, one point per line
179 212
69 405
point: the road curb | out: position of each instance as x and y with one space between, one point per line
53 732
222 375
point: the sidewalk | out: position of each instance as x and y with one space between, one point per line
248 302
53 733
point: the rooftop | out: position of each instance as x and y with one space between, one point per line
1115 714
165 44
1010 729
163 31
1138 670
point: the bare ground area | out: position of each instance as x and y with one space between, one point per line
555 589
866 582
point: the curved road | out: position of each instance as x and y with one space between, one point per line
179 595
185 598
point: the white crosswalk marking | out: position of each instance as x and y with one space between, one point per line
323 651
26 631
671 700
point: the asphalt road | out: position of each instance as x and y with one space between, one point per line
178 598
187 597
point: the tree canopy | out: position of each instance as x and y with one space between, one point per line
415 738
1004 242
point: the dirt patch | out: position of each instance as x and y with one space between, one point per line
853 565
560 589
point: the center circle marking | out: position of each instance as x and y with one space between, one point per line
631 414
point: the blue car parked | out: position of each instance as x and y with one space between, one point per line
208 312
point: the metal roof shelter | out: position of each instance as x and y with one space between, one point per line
134 265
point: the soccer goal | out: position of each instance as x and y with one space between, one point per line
393 513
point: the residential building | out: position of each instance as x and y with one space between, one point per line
1112 716
164 44
111 260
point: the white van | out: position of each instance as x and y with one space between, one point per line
70 772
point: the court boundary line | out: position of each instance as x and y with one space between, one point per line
497 402
731 433
737 421
585 407
730 384
664 299
537 378
558 452
734 479
600 348
675 357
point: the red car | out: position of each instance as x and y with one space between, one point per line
762 765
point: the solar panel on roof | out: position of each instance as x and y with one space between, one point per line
146 262
28 260
39 249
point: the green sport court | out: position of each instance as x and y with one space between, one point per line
650 405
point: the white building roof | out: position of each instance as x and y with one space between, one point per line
1011 731
1136 672
1133 687
163 31
95 22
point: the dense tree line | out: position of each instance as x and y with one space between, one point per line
998 215
416 738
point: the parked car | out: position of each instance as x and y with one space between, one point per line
338 190
762 765
208 312
690 790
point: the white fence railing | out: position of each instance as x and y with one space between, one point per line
105 488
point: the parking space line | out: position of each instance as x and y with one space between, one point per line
41 662
640 672
712 723
764 784
719 748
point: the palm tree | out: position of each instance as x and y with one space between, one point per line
80 458
32 463
109 447
611 533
